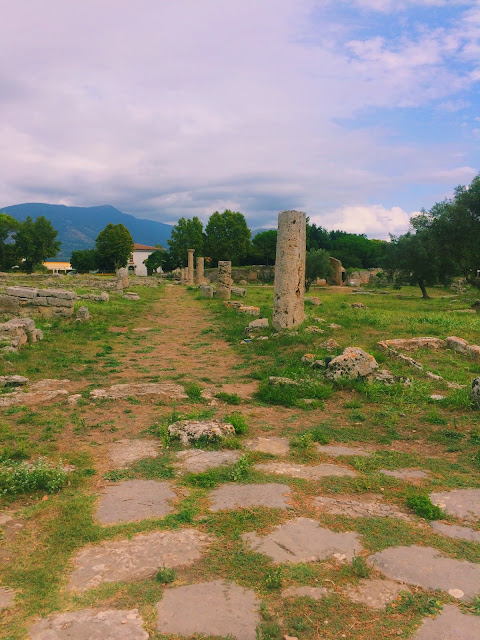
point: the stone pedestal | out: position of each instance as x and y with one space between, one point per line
336 278
224 284
190 266
289 286
123 280
199 273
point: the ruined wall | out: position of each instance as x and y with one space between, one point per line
256 273
48 302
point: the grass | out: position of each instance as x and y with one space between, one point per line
400 424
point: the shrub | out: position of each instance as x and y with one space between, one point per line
26 477
238 421
165 575
424 507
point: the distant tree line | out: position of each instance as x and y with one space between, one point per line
113 247
27 244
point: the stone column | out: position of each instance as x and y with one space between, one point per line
336 278
183 275
199 273
289 286
190 266
123 280
224 283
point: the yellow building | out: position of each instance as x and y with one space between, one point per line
58 267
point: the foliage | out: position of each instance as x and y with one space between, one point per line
165 575
424 507
35 241
84 260
264 247
26 477
186 234
155 260
354 250
114 245
8 226
227 237
417 258
360 568
274 578
317 265
238 422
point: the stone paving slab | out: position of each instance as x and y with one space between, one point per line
197 460
216 608
124 452
238 496
375 592
166 391
134 500
406 474
338 450
304 540
137 558
276 446
90 624
453 531
306 472
367 508
7 596
462 503
316 593
428 568
451 624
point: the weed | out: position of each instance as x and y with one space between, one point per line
424 507
239 423
165 575
194 392
360 568
274 579
419 603
27 477
230 398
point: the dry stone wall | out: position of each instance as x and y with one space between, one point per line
48 302
17 332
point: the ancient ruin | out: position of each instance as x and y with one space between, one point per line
190 278
289 287
337 277
224 285
199 272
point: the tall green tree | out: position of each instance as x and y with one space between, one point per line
155 260
186 234
417 258
227 237
84 260
36 241
114 245
8 255
317 265
264 246
455 223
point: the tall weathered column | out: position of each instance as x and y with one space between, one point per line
224 283
289 286
190 266
184 274
199 273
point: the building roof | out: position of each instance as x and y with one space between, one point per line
144 247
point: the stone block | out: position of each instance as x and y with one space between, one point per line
60 302
473 350
57 293
27 323
9 303
39 301
457 344
22 292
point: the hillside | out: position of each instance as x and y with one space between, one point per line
79 226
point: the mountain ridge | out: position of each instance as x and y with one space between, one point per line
78 227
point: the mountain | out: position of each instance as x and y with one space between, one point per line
79 226
256 231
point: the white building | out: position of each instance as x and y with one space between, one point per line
136 261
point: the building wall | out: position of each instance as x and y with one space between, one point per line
136 261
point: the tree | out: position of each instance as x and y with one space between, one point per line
418 258
186 234
114 246
36 241
455 224
227 237
84 260
264 246
155 260
8 226
317 265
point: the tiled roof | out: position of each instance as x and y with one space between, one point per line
144 247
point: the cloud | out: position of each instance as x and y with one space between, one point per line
178 109
376 218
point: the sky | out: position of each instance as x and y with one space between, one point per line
358 112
